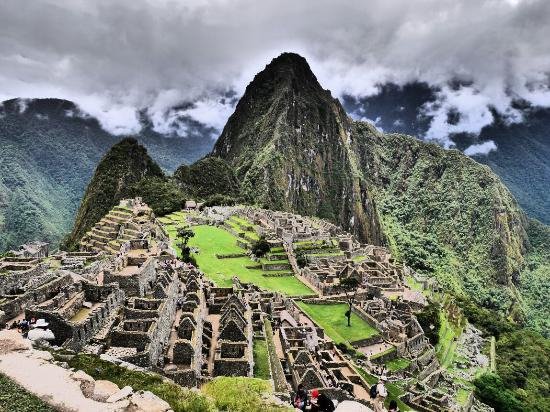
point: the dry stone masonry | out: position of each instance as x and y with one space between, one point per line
126 297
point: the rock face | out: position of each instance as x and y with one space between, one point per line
126 164
294 149
289 142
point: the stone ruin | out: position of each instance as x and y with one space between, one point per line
125 296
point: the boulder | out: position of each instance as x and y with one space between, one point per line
148 402
104 389
43 355
121 394
87 383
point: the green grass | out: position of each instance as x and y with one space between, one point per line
261 360
332 319
448 337
211 240
240 394
397 364
180 399
413 284
13 397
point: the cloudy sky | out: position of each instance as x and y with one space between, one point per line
115 57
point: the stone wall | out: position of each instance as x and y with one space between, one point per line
75 335
16 304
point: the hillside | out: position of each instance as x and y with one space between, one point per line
523 147
289 143
294 148
124 165
445 214
47 156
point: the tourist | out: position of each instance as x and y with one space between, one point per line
300 398
321 402
41 332
381 393
393 406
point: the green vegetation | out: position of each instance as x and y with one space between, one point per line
211 240
161 194
260 248
534 280
240 394
180 399
207 178
522 364
13 397
122 167
448 334
261 360
332 319
430 321
47 159
234 394
446 216
397 364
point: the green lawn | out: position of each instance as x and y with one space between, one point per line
211 240
261 360
332 319
397 364
15 398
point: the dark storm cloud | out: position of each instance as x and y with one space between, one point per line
113 57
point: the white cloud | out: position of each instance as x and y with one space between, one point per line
481 148
128 55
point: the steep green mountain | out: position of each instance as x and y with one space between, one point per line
289 142
445 214
294 148
48 152
523 147
124 166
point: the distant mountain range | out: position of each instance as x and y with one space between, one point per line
48 152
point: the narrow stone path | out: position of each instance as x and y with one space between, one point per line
33 370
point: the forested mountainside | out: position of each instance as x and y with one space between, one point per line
445 214
294 148
523 147
289 143
48 152
124 165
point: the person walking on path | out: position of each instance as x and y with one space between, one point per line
381 394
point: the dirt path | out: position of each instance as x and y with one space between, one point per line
33 370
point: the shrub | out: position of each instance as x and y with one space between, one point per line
261 247
430 322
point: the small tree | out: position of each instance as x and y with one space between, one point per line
350 285
261 247
183 235
301 259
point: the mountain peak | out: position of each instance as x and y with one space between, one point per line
288 70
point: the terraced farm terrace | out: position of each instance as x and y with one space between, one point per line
210 242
